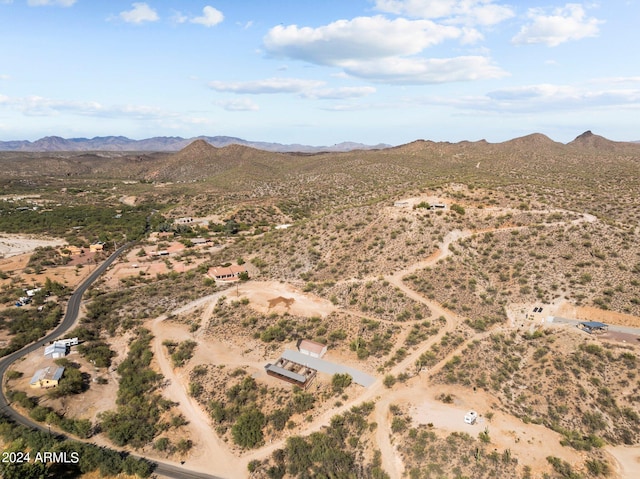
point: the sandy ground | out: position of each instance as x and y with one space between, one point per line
150 266
589 313
70 275
530 443
275 297
129 200
12 245
98 398
627 461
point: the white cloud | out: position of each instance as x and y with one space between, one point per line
210 17
425 71
239 104
362 38
562 25
548 97
382 50
4 77
269 85
313 89
469 12
41 3
179 17
617 80
340 93
140 13
35 105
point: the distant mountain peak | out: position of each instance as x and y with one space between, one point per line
197 146
585 135
532 140
197 149
590 140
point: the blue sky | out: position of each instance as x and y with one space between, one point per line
320 72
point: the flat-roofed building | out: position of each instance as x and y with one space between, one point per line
593 327
291 372
55 350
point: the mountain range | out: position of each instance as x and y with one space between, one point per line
200 159
166 143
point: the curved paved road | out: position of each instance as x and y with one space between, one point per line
73 308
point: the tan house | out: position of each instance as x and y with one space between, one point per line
95 247
46 378
230 273
72 250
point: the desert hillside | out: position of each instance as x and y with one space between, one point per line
434 278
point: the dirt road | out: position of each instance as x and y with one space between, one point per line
209 445
509 428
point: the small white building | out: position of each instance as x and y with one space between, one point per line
32 292
67 342
471 417
55 351
312 348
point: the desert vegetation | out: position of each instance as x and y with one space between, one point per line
414 293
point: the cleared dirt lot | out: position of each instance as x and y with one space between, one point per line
12 245
531 443
275 297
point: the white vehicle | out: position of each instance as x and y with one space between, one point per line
471 417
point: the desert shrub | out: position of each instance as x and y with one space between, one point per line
341 381
247 431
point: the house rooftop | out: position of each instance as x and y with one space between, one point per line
312 346
594 325
227 272
286 373
55 348
46 373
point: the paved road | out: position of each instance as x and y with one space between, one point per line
611 327
73 308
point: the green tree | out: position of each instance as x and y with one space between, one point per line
247 431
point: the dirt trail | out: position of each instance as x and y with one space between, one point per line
390 461
373 392
209 445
